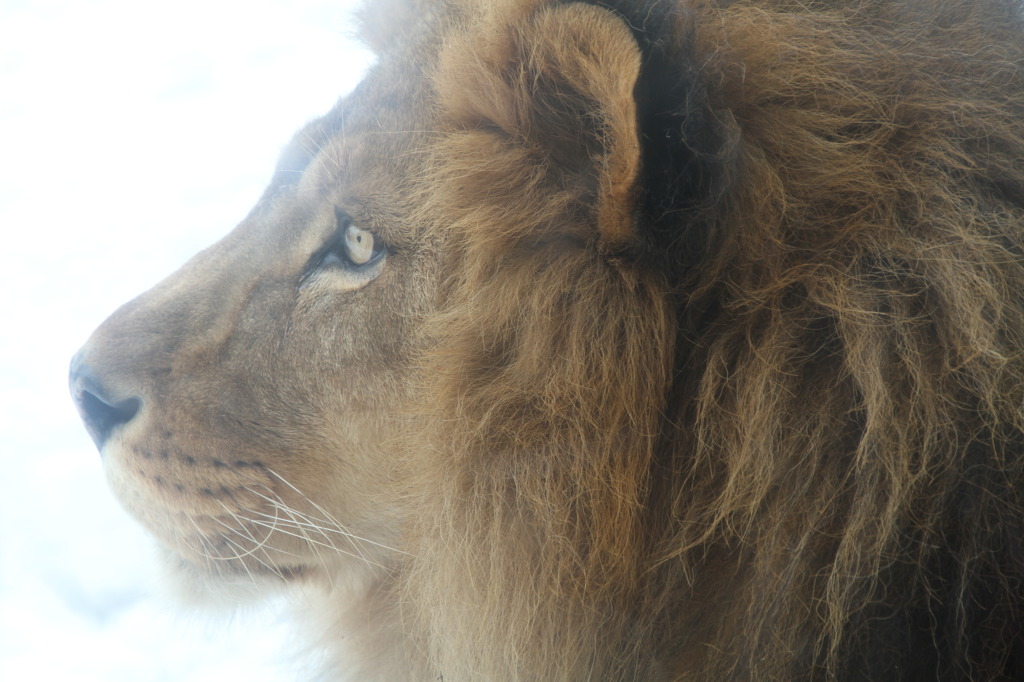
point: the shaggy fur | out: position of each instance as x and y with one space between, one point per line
696 354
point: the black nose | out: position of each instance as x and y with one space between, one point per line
100 412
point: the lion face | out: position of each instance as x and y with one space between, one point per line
244 406
614 340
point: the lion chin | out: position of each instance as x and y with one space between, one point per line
619 340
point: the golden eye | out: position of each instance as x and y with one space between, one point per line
360 245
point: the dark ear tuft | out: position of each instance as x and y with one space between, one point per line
687 147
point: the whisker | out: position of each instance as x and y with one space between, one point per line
331 518
237 531
317 543
241 526
269 567
278 506
307 522
203 540
293 513
241 531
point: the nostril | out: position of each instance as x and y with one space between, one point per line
100 413
101 417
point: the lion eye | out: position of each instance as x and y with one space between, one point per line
352 248
360 245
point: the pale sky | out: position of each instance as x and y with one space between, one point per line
131 135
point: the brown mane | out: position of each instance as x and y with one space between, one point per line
799 455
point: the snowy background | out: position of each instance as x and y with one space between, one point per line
132 134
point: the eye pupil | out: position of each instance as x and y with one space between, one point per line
350 248
360 245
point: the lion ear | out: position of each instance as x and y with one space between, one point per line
584 65
561 81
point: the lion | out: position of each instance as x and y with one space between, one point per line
613 340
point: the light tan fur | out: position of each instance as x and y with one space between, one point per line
694 352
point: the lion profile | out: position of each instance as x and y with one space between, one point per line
618 340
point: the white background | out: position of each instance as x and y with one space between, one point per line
131 135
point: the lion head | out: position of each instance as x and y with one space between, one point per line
613 340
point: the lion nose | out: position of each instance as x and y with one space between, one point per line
100 413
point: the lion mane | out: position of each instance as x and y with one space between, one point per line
720 375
